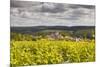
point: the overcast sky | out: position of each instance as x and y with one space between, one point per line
31 13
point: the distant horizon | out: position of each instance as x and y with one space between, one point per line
52 26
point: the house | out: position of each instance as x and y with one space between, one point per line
55 36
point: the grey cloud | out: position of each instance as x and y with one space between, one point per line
43 13
81 6
52 7
45 7
17 3
48 7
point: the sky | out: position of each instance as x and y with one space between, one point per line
33 13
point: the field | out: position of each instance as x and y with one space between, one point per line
42 45
41 52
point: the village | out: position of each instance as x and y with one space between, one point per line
58 36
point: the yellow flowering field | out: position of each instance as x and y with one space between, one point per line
51 52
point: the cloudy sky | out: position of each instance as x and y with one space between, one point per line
32 13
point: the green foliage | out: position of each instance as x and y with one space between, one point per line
88 34
83 34
22 37
50 52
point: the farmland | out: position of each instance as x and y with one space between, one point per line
51 52
51 45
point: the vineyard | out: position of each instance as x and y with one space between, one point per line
51 52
